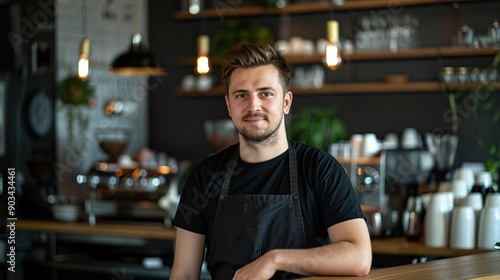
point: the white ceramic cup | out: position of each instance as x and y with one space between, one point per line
465 174
356 145
308 47
492 200
410 138
370 145
391 141
296 45
475 200
437 221
463 228
489 228
460 190
483 178
204 82
282 45
321 45
188 82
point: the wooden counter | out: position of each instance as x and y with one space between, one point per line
114 229
483 266
400 246
388 246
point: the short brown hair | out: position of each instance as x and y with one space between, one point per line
252 55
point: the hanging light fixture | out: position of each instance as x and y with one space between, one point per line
203 66
84 58
137 61
333 57
83 62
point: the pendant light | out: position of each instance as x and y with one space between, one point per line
333 57
137 61
203 66
84 58
83 61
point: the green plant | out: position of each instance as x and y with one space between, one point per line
75 91
76 94
318 127
236 32
483 100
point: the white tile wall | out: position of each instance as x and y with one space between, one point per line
110 25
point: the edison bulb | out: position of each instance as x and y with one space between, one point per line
83 61
83 67
333 58
202 66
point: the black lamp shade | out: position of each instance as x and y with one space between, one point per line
137 61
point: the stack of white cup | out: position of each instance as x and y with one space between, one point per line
463 229
466 174
437 220
457 218
489 223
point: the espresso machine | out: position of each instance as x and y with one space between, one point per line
126 194
124 189
383 184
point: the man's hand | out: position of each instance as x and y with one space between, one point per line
262 268
348 254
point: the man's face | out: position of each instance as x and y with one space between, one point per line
255 102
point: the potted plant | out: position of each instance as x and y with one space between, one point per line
236 32
318 126
76 95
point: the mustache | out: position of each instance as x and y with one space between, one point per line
255 115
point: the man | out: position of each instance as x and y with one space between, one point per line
267 208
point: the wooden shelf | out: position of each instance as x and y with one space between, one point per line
227 10
340 88
349 88
375 87
373 55
214 92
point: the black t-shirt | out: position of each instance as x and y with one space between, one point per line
326 193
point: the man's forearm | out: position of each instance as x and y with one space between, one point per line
341 258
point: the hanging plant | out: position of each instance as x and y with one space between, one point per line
74 91
76 95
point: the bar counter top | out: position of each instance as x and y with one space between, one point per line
483 266
149 231
386 246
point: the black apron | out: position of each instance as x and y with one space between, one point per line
247 226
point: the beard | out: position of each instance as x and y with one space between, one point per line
254 134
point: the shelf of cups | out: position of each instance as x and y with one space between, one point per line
350 88
361 88
227 10
468 87
372 55
338 88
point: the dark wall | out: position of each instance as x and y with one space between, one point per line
176 123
